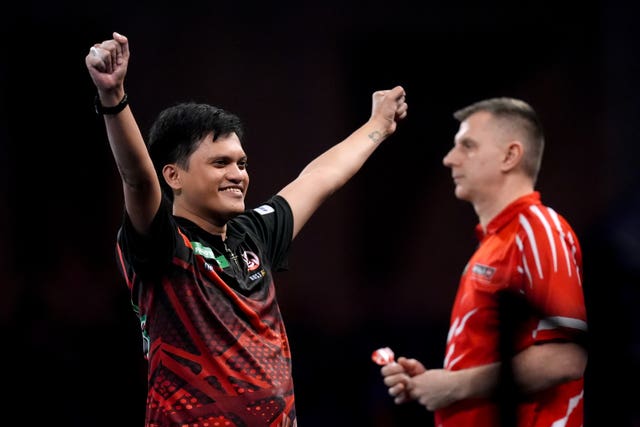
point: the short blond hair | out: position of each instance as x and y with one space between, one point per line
522 117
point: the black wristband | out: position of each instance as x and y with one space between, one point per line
101 109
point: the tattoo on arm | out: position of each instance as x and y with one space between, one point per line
375 136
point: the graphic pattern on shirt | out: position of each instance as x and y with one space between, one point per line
216 345
531 254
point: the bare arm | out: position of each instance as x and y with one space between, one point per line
546 365
107 65
333 168
535 369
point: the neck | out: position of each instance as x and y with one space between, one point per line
207 224
490 206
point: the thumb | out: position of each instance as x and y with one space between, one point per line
414 367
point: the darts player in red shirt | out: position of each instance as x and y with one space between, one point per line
528 252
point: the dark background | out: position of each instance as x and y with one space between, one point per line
378 264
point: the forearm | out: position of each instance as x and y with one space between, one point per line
543 366
342 161
129 150
329 172
478 382
534 369
332 169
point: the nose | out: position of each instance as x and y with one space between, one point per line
447 160
235 173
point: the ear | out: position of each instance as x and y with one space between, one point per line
512 155
171 174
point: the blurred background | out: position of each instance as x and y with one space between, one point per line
378 265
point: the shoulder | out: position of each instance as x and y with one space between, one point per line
541 218
272 217
275 207
542 230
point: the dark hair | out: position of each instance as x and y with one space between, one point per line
179 129
519 114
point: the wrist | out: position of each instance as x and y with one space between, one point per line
377 130
110 110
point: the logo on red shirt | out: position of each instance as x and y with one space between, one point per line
483 272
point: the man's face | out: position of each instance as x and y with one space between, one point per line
476 156
214 185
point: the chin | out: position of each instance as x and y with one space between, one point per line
230 210
237 208
461 194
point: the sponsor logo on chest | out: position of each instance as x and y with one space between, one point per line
483 272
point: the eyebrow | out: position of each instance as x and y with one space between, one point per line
465 140
226 157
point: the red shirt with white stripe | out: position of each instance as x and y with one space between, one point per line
529 251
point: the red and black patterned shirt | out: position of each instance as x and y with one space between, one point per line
212 331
